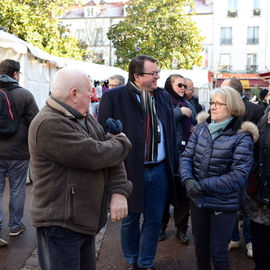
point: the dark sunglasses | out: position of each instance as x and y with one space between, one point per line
182 85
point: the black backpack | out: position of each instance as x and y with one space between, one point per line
9 118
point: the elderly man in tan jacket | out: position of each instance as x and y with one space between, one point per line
77 170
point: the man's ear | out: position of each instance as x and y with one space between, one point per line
15 76
137 77
73 92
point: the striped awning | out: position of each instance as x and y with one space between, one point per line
265 76
247 83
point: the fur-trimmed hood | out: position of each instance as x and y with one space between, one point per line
246 126
202 116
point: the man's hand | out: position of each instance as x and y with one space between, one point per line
118 207
110 135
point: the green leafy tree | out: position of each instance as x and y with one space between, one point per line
254 91
160 28
35 21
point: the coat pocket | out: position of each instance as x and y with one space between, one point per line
70 210
84 206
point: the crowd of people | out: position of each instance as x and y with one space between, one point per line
137 150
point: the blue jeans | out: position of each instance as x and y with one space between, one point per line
140 245
212 233
246 230
63 249
17 172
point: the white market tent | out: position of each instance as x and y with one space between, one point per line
38 67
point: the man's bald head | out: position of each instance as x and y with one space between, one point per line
66 79
73 87
235 84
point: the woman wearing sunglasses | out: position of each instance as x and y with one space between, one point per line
214 168
184 116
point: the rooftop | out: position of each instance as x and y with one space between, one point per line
116 9
203 7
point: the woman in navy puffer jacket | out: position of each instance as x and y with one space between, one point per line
214 168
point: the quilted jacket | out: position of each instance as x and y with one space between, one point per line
221 166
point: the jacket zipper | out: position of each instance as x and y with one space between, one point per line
71 203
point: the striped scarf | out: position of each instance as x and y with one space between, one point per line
152 126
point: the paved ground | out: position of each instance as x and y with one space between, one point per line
21 252
171 254
20 247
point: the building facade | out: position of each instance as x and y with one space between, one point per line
90 24
241 36
235 32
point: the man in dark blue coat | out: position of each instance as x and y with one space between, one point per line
147 117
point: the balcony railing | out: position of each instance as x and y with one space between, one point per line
251 68
256 12
224 68
252 41
232 13
226 41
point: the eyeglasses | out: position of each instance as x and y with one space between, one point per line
217 104
182 85
151 73
113 85
192 88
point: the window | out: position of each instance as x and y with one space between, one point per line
80 34
232 8
253 35
232 5
251 62
224 62
256 4
90 12
226 36
98 37
256 9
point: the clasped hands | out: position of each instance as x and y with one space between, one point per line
193 188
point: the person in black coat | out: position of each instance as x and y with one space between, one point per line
185 120
147 117
14 152
253 113
258 211
263 99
